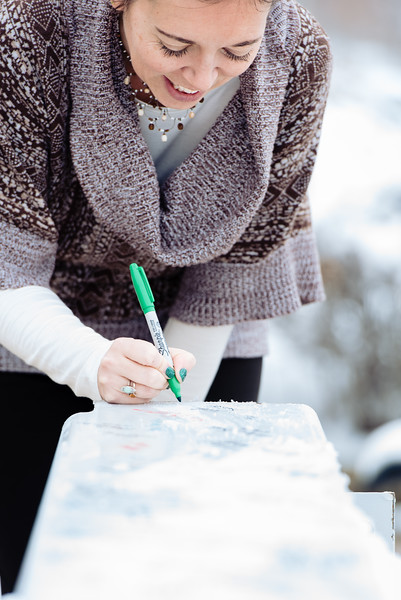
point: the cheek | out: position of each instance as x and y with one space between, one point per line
158 64
240 68
146 56
236 68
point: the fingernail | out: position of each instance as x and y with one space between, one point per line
183 374
170 372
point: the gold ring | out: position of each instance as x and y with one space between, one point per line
133 393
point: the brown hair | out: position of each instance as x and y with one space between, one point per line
124 4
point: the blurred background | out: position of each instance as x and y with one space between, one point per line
343 357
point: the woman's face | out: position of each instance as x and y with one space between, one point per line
183 49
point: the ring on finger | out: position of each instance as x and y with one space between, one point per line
129 389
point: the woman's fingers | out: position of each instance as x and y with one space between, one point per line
129 360
138 351
142 374
183 362
137 363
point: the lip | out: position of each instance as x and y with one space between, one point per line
182 96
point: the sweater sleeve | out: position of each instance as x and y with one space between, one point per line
273 269
33 106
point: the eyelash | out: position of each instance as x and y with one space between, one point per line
175 53
178 53
234 57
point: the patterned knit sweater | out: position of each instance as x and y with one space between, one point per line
227 238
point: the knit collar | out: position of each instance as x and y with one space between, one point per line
207 203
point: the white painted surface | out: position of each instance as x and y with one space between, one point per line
201 501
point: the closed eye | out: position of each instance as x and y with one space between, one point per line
169 52
233 56
178 53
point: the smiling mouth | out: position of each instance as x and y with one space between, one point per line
180 88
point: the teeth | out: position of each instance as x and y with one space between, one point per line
182 89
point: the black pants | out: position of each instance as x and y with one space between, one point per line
237 379
33 410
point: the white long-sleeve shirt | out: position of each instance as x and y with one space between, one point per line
41 330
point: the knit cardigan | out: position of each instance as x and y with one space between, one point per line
228 236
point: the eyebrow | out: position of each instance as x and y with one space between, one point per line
184 41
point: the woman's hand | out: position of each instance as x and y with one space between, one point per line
129 361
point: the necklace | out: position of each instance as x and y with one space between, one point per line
162 122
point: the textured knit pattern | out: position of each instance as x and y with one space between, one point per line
226 239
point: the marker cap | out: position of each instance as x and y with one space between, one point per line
142 288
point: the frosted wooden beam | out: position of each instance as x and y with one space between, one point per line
201 501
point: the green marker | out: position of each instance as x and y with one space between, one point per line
146 300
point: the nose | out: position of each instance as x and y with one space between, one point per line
200 74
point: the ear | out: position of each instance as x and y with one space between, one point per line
118 5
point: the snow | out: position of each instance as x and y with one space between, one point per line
202 501
356 187
356 207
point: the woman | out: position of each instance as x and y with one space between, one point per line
178 134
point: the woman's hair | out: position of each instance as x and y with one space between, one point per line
123 4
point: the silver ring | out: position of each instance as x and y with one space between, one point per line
129 389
